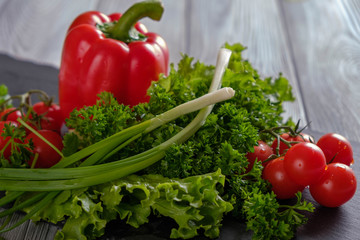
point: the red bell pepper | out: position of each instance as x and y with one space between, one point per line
112 53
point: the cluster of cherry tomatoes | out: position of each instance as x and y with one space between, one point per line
46 118
294 162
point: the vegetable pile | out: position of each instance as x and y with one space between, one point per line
208 142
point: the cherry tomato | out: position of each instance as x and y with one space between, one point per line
52 117
13 116
305 163
281 183
302 137
261 152
336 148
336 187
4 140
47 156
2 125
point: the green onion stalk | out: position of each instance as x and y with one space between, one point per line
91 171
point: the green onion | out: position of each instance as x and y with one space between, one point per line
58 173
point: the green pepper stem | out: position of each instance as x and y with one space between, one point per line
124 30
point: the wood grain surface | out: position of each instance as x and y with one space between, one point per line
325 42
315 44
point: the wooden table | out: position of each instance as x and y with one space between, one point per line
315 44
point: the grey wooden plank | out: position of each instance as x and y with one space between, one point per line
258 26
18 233
29 230
41 231
34 30
325 43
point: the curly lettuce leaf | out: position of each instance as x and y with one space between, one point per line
81 212
86 225
194 203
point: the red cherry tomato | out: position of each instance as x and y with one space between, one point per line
336 187
336 148
261 152
47 156
302 137
4 140
305 163
52 117
13 116
281 183
2 125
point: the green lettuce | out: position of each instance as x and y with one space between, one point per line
194 203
